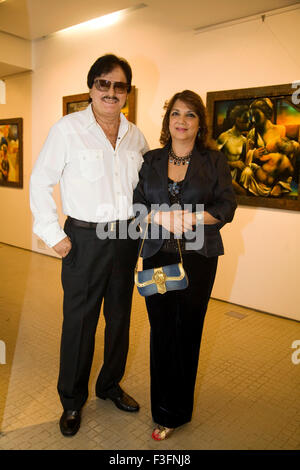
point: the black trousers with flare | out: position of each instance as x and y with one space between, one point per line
94 270
176 320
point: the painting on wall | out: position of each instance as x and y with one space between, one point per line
258 130
79 102
11 152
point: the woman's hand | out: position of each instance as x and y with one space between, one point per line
177 221
63 247
182 221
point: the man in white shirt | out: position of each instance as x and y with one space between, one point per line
95 155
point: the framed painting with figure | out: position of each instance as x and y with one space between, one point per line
11 152
258 130
79 102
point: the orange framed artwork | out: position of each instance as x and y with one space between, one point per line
258 130
11 152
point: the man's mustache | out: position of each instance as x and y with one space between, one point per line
114 98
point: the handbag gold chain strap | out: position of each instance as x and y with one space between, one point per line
142 244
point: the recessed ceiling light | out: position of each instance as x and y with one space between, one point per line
102 21
105 20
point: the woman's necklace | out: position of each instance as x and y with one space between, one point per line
179 160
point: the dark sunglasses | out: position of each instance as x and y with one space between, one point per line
104 85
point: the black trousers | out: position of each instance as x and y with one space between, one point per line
176 320
94 270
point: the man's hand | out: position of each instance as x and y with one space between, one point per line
63 247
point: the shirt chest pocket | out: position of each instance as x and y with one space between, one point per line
91 164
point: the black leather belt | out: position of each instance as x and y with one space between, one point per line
108 226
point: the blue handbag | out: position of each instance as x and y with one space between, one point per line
160 280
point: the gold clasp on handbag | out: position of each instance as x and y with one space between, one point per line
159 277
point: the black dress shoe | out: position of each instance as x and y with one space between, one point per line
122 401
70 422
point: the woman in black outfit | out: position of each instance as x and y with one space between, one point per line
185 171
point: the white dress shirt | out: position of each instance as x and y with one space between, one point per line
96 180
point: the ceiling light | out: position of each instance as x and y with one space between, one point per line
96 23
102 21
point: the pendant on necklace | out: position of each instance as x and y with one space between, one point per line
179 160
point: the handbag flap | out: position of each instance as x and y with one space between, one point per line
172 270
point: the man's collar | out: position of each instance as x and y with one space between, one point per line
123 128
90 119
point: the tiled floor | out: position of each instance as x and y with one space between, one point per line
247 392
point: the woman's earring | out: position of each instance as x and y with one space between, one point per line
199 133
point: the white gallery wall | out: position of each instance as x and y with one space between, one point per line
260 267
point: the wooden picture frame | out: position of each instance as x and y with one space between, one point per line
11 152
73 103
266 118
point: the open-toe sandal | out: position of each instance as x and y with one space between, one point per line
161 433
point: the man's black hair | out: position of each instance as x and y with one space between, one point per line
106 64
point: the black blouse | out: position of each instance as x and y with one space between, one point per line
174 190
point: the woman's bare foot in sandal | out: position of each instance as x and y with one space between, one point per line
160 433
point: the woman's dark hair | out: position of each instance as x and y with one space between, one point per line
106 64
196 104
